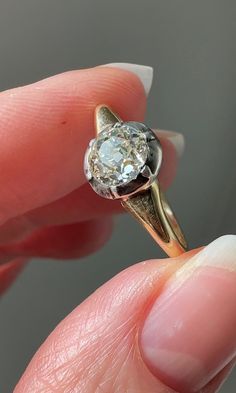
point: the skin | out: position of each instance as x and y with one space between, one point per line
48 210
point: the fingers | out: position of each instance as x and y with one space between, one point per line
150 329
45 128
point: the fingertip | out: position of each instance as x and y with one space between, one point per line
188 336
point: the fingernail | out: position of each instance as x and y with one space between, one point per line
175 138
189 335
143 72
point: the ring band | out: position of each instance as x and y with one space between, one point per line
123 163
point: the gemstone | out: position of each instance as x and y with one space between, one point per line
118 154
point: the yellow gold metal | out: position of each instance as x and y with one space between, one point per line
103 117
149 206
152 210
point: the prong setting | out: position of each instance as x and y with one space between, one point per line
142 160
146 171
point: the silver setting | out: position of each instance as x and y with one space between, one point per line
144 179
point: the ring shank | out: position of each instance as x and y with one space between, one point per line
152 210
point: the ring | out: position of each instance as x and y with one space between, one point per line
123 162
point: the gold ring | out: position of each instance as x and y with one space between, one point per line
123 162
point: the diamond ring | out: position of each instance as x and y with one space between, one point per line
123 162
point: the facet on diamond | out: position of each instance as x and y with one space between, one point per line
118 154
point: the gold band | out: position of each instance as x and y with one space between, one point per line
149 205
152 210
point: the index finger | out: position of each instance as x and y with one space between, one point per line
45 128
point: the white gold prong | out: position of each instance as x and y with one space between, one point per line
91 142
146 171
88 175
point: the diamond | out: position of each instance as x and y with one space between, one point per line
118 154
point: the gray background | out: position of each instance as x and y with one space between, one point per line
191 45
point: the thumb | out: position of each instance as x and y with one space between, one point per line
157 326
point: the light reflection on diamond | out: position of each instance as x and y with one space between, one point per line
118 154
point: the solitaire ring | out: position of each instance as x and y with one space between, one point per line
123 162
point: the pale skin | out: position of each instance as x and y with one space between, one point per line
48 210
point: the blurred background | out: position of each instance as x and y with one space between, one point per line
191 45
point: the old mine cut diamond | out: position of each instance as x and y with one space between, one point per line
118 154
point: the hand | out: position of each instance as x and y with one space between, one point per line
159 325
47 207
